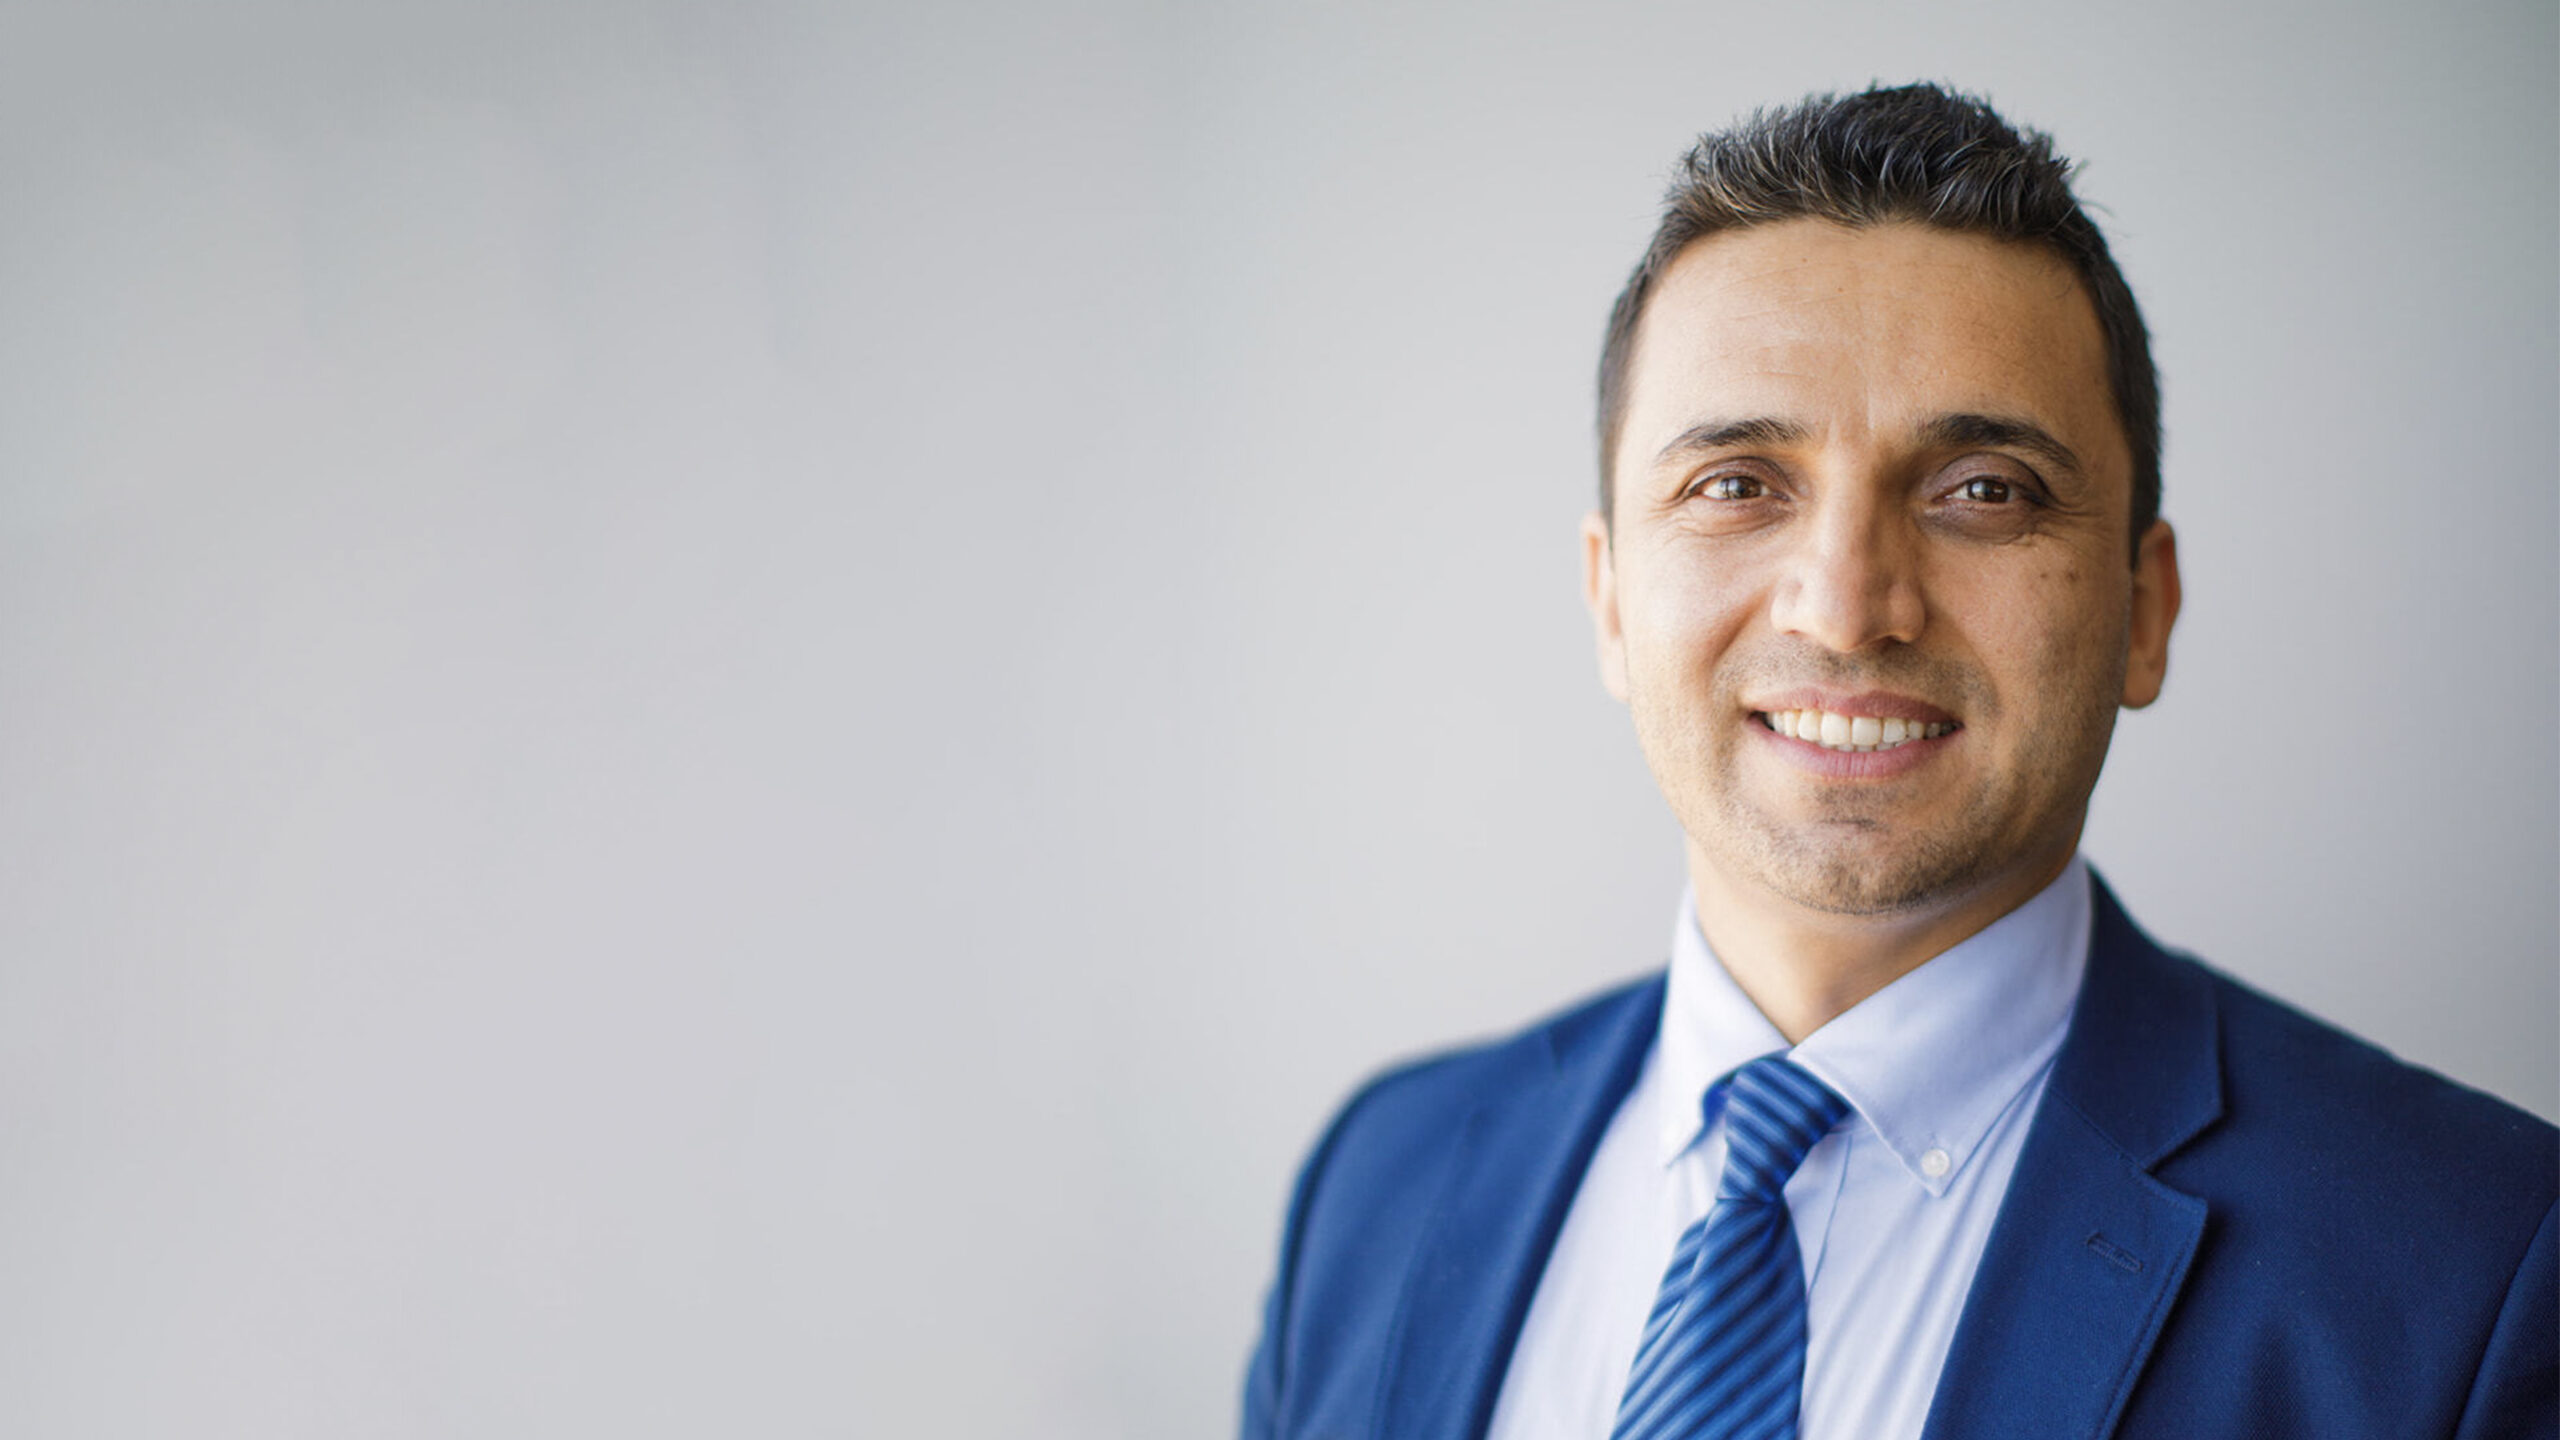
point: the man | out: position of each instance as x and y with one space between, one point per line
1919 1135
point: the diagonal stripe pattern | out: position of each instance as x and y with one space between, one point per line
1722 1356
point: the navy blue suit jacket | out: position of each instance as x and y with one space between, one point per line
2229 1219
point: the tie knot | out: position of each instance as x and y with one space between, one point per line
1774 1112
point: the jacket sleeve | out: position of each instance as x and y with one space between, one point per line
1266 1379
2516 1395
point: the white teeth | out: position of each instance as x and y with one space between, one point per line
1852 732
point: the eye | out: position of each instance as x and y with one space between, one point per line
1731 487
1985 490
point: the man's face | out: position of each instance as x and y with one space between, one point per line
1871 490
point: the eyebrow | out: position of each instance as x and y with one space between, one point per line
1730 434
1968 431
1959 431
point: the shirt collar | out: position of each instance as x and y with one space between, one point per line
1929 1061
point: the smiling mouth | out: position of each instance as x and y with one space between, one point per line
1859 733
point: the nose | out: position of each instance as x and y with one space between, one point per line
1852 579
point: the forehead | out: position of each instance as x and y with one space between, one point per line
1860 335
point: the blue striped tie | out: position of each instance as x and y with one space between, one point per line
1722 1356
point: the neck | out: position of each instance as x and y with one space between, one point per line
1803 967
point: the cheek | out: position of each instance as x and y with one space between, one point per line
2042 636
2072 637
1688 609
1683 628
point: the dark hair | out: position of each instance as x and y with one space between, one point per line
1911 153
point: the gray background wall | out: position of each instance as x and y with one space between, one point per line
728 720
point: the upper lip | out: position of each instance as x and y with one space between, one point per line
1882 704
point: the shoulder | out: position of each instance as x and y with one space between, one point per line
1440 1089
2360 1207
2327 1165
2373 1246
2288 1073
2244 1093
1384 1150
2341 1172
1376 1188
2329 1124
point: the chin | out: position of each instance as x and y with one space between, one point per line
1850 891
1866 871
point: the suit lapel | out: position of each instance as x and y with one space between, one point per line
1516 1169
2090 1249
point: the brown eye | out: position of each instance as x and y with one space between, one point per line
1733 487
1984 490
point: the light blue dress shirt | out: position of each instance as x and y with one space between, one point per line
1942 1070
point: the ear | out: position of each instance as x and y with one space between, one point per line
2155 610
1600 593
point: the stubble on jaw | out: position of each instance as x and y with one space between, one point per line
1852 855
